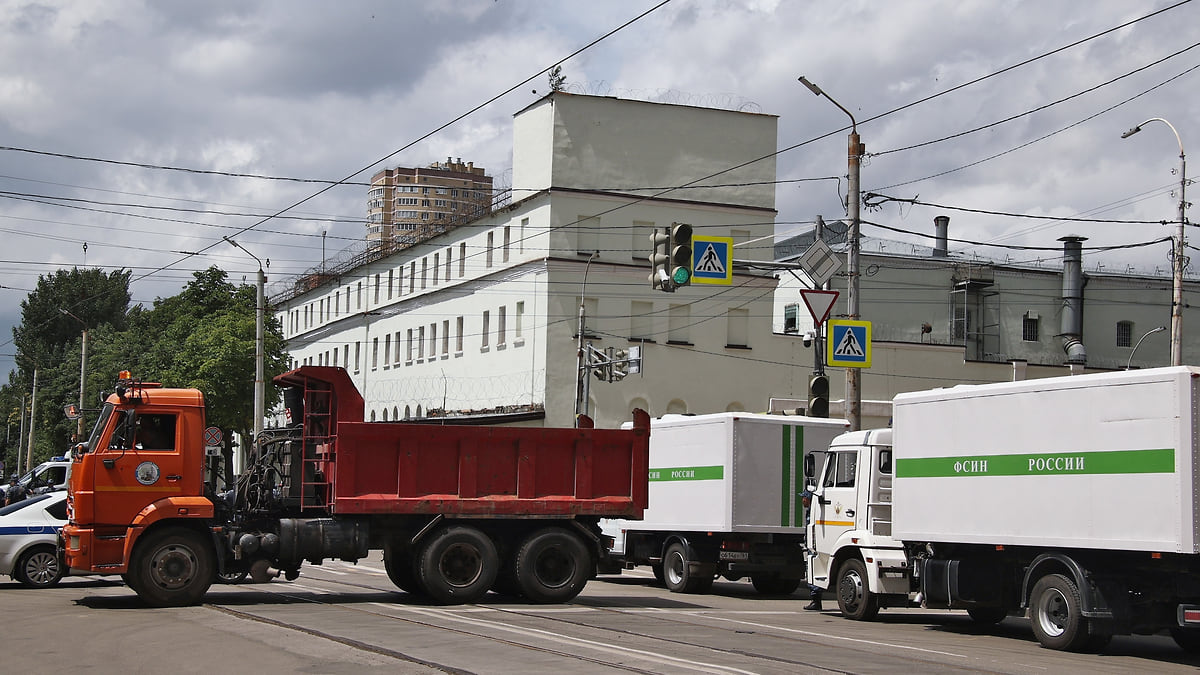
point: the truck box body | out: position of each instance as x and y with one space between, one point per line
1103 461
487 471
401 469
729 472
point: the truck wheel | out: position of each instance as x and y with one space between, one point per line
399 567
38 567
855 598
676 576
1055 613
987 616
552 566
457 565
172 568
772 584
1188 639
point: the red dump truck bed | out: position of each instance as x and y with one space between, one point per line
392 468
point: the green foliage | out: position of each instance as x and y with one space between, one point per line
203 338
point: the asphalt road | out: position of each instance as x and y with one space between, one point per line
342 618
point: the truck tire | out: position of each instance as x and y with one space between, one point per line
172 568
552 566
855 598
457 565
1188 639
987 616
38 567
1056 615
399 568
676 576
772 584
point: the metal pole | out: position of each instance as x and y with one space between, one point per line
32 408
581 392
21 437
1178 262
82 385
260 388
854 154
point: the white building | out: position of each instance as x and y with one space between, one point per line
482 319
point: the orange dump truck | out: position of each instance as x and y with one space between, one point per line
456 510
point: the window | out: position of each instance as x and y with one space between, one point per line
424 271
391 282
377 289
840 471
587 235
491 237
791 318
507 242
641 324
462 259
737 328
357 356
521 235
337 303
412 276
458 336
639 242
678 318
518 321
387 349
358 295
487 326
1124 333
408 353
436 263
501 320
374 353
154 432
346 357
445 338
1029 327
421 343
448 250
432 341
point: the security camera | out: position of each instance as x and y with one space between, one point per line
808 338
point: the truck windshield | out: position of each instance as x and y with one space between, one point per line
97 430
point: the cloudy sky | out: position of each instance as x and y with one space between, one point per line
120 121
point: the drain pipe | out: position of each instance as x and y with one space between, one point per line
941 238
1072 300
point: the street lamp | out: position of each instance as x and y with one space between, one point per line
854 152
82 372
1152 331
1177 263
260 391
581 380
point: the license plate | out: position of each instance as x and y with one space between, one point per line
734 555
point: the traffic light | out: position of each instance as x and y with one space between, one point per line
681 254
618 360
818 396
660 259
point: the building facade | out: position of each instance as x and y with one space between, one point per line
482 318
409 204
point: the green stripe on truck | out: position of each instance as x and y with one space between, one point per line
1057 464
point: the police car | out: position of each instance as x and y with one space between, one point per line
28 534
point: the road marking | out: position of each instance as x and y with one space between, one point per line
567 640
840 637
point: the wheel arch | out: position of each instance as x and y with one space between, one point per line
1092 602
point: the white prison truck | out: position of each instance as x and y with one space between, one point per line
724 500
1074 499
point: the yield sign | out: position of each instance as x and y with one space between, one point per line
819 303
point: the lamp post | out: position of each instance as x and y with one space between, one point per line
82 372
854 153
581 381
260 391
1152 331
1177 262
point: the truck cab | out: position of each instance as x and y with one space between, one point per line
851 550
139 467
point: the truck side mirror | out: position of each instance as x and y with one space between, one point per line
810 467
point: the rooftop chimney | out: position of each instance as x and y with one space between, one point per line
1072 299
941 230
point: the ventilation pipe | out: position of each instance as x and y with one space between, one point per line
941 232
1072 300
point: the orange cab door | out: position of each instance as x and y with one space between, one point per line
142 463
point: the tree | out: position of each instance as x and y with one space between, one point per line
48 339
557 79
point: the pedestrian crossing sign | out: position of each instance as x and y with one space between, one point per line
712 260
848 343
